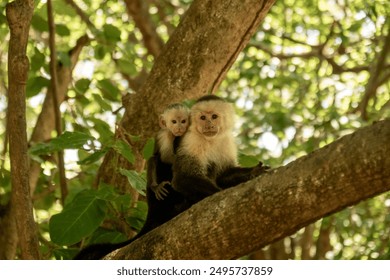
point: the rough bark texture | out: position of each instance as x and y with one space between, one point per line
19 14
243 219
193 62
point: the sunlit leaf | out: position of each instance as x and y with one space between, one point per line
79 219
148 150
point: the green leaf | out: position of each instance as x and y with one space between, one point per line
135 180
37 60
82 85
125 150
109 90
35 85
100 52
68 140
112 33
127 67
106 236
105 106
247 161
148 150
39 23
62 30
94 157
79 219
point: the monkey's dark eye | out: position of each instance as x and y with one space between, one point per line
174 121
214 116
202 118
183 121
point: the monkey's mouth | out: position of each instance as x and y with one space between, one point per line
210 133
178 133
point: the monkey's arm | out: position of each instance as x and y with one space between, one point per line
158 188
236 175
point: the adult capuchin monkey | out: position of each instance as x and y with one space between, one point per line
163 202
206 160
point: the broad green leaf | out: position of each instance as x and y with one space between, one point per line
127 67
106 236
39 23
103 104
247 161
148 150
94 157
100 52
135 180
109 90
37 60
79 219
111 32
62 30
35 85
68 140
125 150
82 85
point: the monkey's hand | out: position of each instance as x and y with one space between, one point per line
259 169
160 191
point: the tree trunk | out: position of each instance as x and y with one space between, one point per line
243 219
19 14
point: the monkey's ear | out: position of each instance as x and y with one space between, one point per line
162 122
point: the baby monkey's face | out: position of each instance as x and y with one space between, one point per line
178 124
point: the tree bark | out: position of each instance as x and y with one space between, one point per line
19 14
243 219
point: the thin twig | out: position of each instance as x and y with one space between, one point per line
54 85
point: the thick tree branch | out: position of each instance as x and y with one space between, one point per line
275 205
19 14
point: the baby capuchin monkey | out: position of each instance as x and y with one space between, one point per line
173 122
206 159
163 202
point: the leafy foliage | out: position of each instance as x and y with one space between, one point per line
302 82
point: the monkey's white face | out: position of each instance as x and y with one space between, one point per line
208 123
177 123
